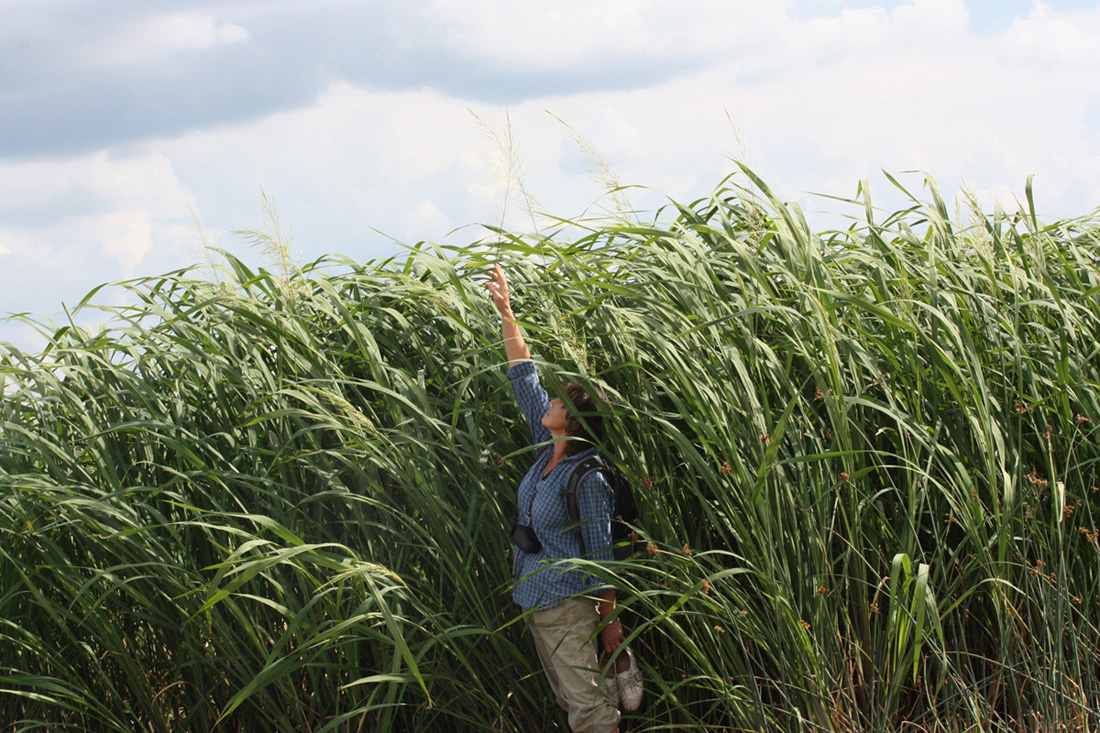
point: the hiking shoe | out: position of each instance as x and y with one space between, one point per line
629 682
610 684
623 684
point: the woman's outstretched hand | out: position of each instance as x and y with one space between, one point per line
498 288
514 345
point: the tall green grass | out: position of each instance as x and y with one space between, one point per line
866 462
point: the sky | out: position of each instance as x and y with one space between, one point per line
135 135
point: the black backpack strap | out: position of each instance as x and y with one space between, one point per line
572 487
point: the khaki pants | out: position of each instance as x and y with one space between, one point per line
565 639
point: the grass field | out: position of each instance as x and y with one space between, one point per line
866 462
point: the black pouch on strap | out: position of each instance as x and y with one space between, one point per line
525 538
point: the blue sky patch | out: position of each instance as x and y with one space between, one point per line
987 17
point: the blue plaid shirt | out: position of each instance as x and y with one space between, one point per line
541 581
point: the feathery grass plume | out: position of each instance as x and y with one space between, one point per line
866 461
740 154
274 245
509 168
205 244
620 211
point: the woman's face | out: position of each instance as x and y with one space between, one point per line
554 419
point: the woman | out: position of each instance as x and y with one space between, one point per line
565 606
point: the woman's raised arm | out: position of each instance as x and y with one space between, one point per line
514 345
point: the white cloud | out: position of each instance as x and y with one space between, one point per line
426 217
1049 37
124 235
933 15
89 220
918 94
872 36
754 34
165 34
817 105
356 159
145 182
567 33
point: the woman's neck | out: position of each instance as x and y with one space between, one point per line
558 451
561 445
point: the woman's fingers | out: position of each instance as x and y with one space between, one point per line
502 281
498 288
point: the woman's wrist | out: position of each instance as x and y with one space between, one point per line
612 634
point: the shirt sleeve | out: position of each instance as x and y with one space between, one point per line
532 398
595 499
